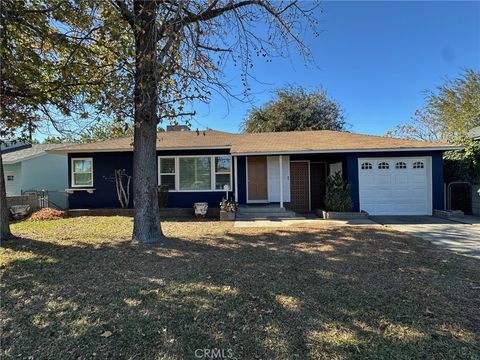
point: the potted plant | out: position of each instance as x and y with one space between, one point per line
338 202
228 208
162 192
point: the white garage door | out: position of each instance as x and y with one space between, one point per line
395 186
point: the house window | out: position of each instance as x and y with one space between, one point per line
82 172
400 165
383 165
418 165
195 173
167 171
223 169
10 177
366 166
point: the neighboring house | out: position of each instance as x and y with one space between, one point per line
31 168
9 146
387 176
474 133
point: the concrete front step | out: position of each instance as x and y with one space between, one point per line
269 218
263 215
261 209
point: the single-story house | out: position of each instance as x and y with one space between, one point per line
387 176
30 168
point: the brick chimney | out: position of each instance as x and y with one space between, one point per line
177 127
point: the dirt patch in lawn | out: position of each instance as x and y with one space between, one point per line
78 288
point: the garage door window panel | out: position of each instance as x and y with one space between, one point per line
384 165
418 165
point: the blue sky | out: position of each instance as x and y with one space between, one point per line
374 58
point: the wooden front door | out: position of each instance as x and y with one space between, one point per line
299 186
257 178
318 184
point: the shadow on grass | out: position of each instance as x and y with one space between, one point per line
281 293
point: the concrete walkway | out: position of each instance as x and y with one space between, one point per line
462 236
302 222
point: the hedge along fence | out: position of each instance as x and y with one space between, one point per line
461 170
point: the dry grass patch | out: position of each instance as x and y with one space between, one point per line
78 288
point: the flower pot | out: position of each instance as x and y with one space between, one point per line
337 215
227 216
200 209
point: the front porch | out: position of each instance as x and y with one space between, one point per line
264 212
295 182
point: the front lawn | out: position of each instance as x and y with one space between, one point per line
79 289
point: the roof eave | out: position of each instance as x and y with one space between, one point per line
339 151
30 157
70 151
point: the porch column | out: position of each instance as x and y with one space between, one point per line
236 177
281 180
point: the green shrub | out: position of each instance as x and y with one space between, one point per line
463 165
338 194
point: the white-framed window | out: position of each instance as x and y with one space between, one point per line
223 172
383 165
400 165
10 177
367 166
167 172
195 173
82 172
418 165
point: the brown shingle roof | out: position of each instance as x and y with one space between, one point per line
274 142
324 141
165 140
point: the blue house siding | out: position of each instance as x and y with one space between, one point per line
242 179
350 173
105 195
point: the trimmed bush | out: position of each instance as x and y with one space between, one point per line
338 194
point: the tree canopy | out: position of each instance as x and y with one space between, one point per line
295 109
59 65
451 110
70 62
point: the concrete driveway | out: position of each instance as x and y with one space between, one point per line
463 238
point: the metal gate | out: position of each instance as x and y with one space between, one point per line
459 196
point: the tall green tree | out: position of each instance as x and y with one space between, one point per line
180 48
296 109
140 60
451 110
57 64
456 103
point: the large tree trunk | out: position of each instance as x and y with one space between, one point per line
146 227
4 215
